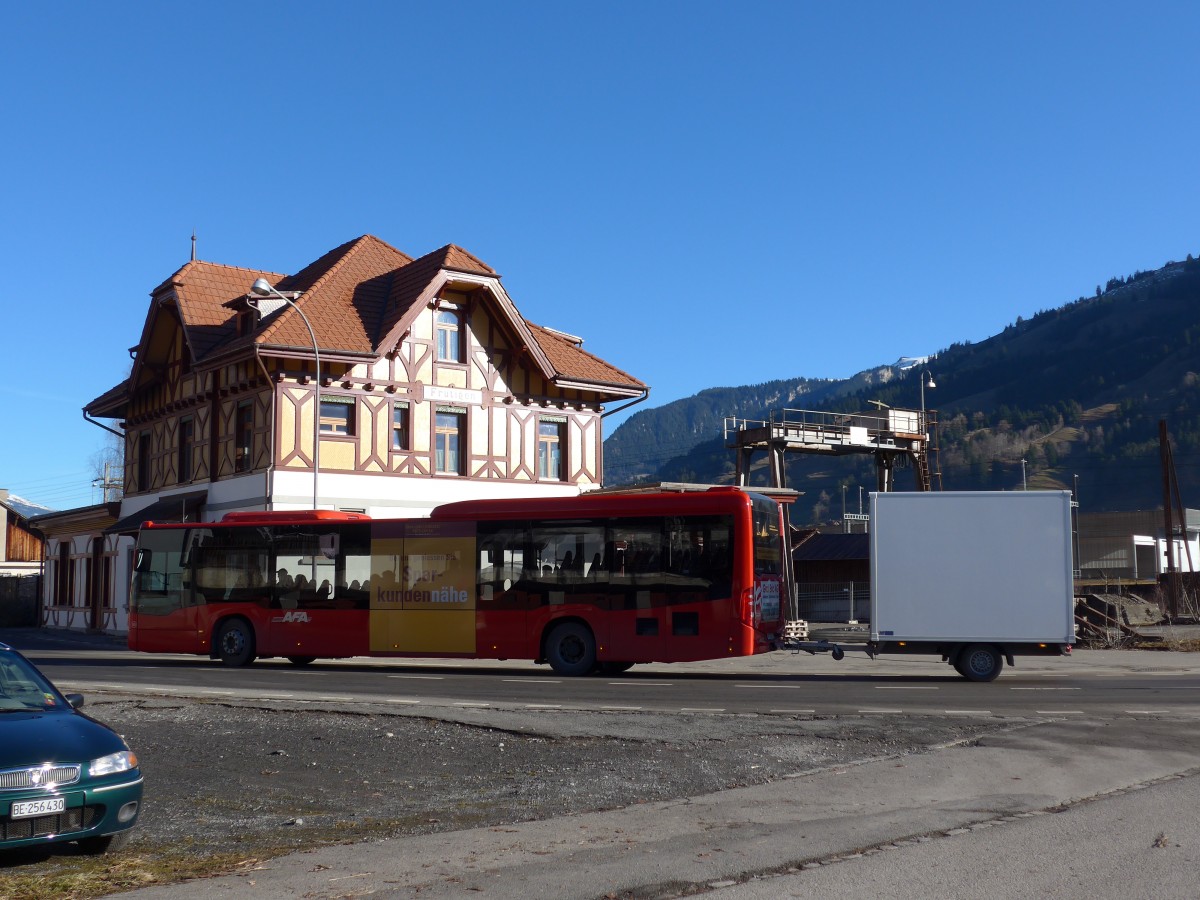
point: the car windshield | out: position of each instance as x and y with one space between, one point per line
22 687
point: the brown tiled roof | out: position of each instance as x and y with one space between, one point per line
354 296
573 362
345 303
204 291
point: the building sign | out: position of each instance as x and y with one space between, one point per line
453 395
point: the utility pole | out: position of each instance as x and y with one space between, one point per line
1164 453
108 485
1075 522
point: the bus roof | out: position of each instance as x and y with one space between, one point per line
590 504
273 517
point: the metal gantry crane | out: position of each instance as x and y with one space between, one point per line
891 436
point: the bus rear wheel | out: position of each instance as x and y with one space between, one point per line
571 649
301 660
235 643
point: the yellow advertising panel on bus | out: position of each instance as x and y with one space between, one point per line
422 587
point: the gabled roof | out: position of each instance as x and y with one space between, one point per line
571 361
203 291
345 293
410 283
359 297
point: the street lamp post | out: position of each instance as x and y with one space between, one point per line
925 375
263 288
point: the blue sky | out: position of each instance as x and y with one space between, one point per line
710 194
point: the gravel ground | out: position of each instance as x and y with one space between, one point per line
228 781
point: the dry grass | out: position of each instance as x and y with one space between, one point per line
86 877
1184 645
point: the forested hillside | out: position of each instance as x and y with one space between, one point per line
1077 392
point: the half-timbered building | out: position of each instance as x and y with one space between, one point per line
419 380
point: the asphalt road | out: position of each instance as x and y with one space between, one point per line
1090 684
1086 786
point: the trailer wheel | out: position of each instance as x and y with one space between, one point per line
979 662
235 642
837 653
571 649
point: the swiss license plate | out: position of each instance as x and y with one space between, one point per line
26 808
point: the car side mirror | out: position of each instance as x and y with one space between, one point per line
76 700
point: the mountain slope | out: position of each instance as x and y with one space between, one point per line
1075 392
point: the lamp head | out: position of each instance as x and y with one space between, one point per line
262 287
930 383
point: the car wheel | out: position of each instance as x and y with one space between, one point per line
979 662
301 660
109 843
571 649
235 643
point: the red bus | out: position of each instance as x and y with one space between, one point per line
594 583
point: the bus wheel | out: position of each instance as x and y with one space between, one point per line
235 643
613 668
571 649
301 660
979 662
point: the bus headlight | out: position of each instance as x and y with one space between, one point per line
113 763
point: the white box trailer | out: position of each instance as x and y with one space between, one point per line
975 576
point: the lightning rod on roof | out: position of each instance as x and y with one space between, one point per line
193 245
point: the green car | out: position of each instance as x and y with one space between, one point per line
63 775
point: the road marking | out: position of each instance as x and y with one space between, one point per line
700 709
967 712
1045 689
213 691
430 665
421 677
543 706
1147 711
642 683
472 704
791 686
399 700
530 681
793 712
1059 712
632 708
337 698
905 687
881 710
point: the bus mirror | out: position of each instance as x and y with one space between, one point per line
142 564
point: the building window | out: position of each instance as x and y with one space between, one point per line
187 434
337 415
400 427
143 461
64 582
243 436
551 438
449 336
449 427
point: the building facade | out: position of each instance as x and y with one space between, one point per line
423 382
